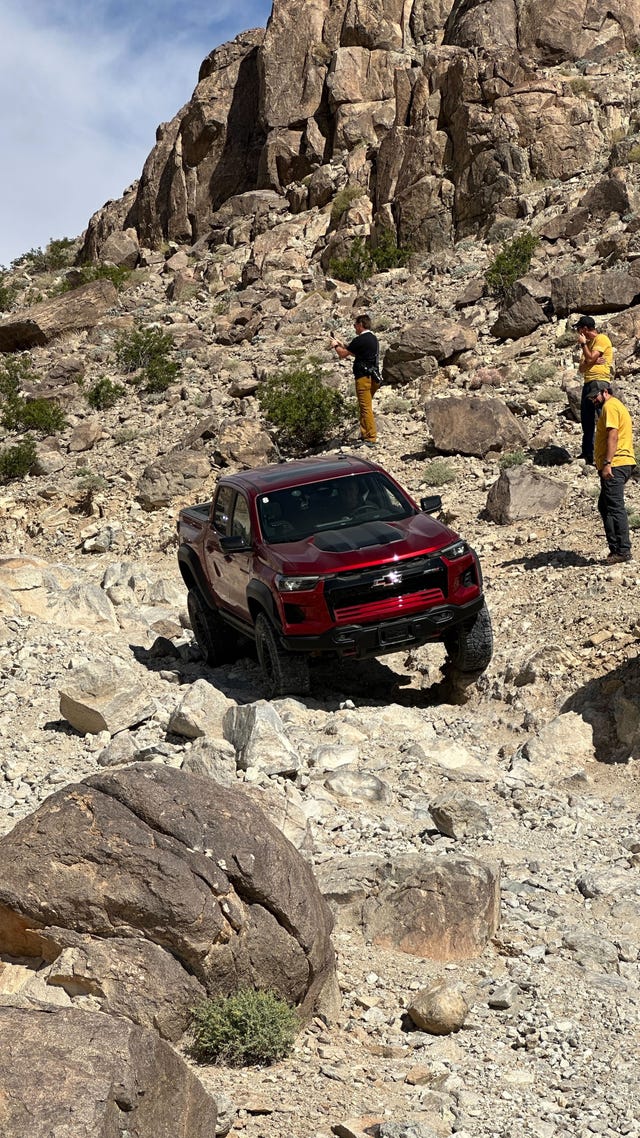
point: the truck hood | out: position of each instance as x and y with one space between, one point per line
353 547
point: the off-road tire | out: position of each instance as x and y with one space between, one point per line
283 673
469 649
217 642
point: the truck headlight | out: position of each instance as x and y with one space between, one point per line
453 552
295 584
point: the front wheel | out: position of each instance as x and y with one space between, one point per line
469 648
284 673
214 638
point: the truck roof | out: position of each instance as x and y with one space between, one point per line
280 475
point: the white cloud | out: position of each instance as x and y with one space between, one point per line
87 87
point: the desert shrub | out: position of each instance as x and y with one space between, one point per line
126 435
548 394
58 254
634 520
247 1027
387 254
8 293
88 480
538 371
512 458
581 86
149 350
14 372
566 339
104 394
43 416
357 266
396 405
18 460
511 263
343 200
303 410
117 274
438 473
633 153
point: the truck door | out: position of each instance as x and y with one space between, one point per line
229 572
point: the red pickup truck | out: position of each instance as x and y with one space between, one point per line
328 556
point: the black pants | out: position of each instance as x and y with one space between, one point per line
612 509
588 420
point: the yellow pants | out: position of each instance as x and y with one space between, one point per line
366 388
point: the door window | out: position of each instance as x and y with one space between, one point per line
241 524
222 510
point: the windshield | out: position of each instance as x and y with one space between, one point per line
296 513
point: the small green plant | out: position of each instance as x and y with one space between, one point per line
88 480
512 458
581 86
511 263
301 407
438 473
548 394
18 460
387 254
634 520
8 293
246 1028
104 394
396 405
343 200
149 350
43 416
117 274
357 266
633 154
538 371
124 436
58 254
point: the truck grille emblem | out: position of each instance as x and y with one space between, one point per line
394 577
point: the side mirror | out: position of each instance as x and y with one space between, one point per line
431 504
234 544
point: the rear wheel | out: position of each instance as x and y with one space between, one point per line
469 648
216 641
284 673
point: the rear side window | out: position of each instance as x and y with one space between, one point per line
241 524
222 510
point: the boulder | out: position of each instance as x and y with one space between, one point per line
84 1074
524 492
246 443
85 435
594 292
439 1009
82 308
557 751
416 344
180 473
458 816
103 697
259 737
472 425
121 249
195 868
521 317
55 593
201 712
441 908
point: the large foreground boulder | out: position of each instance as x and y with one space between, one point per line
77 1074
174 859
524 492
468 424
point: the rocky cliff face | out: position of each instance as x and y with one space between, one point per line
448 117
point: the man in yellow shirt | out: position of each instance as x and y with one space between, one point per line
596 363
615 462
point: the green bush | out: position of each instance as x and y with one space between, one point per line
248 1027
104 394
149 350
304 411
343 200
117 274
387 254
538 371
634 520
511 263
40 415
633 154
357 266
438 473
14 372
58 254
512 458
8 293
17 461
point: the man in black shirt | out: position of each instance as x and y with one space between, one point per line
364 349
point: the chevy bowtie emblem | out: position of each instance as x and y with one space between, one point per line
392 578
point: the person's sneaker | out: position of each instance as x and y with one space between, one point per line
617 558
368 443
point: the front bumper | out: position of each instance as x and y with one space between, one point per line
360 641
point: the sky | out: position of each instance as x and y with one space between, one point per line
83 86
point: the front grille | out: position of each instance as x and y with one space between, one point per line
374 593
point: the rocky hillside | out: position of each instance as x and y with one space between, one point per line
456 129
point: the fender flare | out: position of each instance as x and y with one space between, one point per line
262 598
193 575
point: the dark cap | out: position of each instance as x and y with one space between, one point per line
585 322
595 386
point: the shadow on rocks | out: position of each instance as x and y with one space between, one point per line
555 558
610 704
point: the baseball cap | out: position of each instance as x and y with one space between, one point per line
594 386
585 322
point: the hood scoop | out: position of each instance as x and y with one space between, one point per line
356 537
